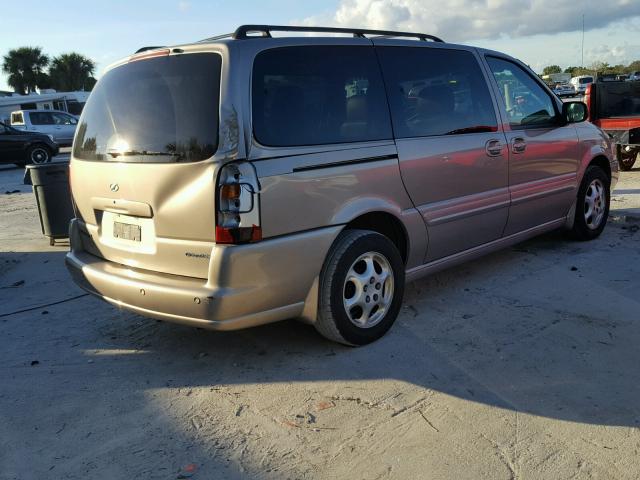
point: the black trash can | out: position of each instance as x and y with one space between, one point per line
51 187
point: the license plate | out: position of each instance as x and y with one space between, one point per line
127 231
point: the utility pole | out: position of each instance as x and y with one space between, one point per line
582 58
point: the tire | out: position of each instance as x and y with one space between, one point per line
592 207
352 251
38 154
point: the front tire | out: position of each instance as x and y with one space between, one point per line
361 288
592 207
38 154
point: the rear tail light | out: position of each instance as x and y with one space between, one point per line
238 209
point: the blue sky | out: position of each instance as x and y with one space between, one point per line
539 32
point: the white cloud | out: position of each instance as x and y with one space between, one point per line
183 6
618 54
464 20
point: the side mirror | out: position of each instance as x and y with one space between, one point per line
574 112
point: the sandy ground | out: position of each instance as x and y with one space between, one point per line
524 364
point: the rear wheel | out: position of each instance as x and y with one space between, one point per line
592 207
38 154
361 288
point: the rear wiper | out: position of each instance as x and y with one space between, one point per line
143 153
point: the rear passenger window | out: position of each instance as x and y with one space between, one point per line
40 118
436 91
314 95
526 102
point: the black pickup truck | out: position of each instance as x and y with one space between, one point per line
21 147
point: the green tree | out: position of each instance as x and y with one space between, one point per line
25 67
72 71
551 69
633 66
576 71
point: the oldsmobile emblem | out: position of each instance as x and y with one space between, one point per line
114 187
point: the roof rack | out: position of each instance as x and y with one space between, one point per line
243 31
217 37
144 49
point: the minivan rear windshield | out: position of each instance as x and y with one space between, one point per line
157 110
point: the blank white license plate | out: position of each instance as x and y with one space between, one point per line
127 231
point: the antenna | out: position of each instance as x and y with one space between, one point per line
582 59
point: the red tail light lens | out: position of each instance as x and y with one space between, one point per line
238 235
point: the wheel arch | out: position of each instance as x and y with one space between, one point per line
386 224
602 162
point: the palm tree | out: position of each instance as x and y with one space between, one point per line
71 71
25 67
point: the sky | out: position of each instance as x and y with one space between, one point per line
539 32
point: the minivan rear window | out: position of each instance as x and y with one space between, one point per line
162 109
316 95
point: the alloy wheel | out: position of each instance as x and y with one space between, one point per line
595 202
368 289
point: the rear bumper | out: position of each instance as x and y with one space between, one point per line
248 285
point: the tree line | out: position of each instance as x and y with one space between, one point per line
595 68
29 68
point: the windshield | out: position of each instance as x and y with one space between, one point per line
163 109
7 129
586 80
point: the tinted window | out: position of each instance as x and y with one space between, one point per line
316 95
162 109
436 92
619 99
41 118
526 102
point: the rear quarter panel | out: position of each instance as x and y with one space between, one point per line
593 142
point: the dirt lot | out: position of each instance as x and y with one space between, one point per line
524 364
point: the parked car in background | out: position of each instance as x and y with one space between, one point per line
564 90
246 179
61 125
21 147
634 76
580 83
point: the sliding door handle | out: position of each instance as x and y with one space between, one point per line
518 145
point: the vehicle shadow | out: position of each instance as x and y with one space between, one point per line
546 328
517 331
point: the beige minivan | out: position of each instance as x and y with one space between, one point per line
251 178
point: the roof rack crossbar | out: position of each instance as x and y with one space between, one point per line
243 32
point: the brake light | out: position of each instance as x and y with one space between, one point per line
149 54
238 215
